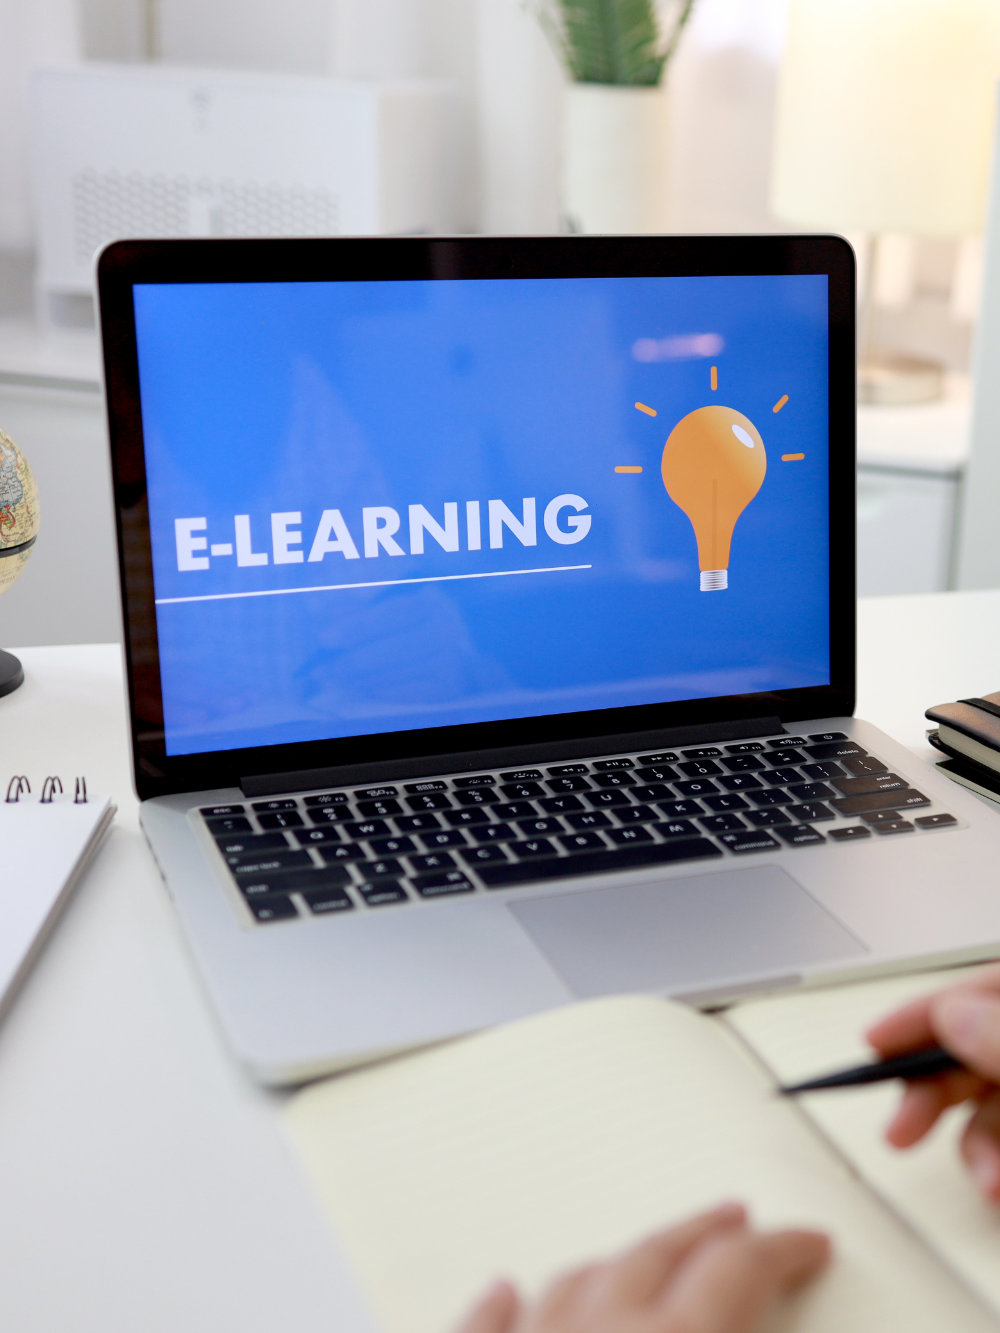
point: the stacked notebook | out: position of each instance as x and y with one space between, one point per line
968 733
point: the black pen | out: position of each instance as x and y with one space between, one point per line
924 1063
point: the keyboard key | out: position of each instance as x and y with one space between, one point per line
569 783
767 818
276 907
305 837
615 779
740 782
522 791
870 782
811 791
429 800
469 818
654 791
432 861
428 784
828 736
379 893
326 798
810 812
247 865
680 809
636 814
606 765
280 819
852 833
833 749
392 846
752 840
489 833
664 757
676 828
770 796
531 828
942 820
880 800
724 823
488 855
442 882
608 800
417 823
521 775
699 768
879 817
336 853
799 835
862 763
781 777
656 773
210 811
696 787
366 828
599 862
787 742
745 747
385 867
581 842
278 803
445 837
235 844
477 796
534 847
328 814
476 780
782 758
742 763
628 837
589 819
322 902
561 770
894 826
228 824
703 752
520 809
829 768
559 805
384 806
375 793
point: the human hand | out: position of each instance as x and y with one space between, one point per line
711 1274
965 1019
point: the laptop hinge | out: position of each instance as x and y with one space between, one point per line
467 761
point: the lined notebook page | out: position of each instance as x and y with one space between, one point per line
569 1135
818 1032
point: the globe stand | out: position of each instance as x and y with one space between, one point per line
11 673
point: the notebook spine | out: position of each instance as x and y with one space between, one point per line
19 786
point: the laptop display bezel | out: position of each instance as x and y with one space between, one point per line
124 264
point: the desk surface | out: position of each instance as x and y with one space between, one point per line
144 1182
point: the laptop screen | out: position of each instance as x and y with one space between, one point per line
391 505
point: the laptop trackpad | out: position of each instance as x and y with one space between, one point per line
680 934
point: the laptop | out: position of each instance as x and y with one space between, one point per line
489 628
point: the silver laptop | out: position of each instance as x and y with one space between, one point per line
489 623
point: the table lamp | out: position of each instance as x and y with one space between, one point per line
884 125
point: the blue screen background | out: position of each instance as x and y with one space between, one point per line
304 397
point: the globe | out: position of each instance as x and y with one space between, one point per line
18 530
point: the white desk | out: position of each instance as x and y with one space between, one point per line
144 1183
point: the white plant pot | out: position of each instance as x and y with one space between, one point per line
614 176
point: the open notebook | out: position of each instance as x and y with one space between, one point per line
564 1137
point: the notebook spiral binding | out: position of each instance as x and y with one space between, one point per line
52 786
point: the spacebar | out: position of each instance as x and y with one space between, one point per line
594 863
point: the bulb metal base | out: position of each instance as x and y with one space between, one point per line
714 580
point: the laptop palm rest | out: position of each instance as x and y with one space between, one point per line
678 934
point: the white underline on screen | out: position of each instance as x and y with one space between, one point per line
383 583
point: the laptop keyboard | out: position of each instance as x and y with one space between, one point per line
378 846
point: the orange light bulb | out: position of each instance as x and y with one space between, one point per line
713 465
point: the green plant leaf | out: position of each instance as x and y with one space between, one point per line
612 41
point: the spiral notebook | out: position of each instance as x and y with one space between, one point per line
47 837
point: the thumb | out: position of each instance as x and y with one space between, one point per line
968 1024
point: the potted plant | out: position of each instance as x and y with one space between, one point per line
615 54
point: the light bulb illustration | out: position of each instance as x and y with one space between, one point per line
713 465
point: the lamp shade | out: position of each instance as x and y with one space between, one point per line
885 115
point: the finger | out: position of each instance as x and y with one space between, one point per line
910 1025
642 1272
980 1147
566 1292
967 1022
494 1312
924 1101
730 1280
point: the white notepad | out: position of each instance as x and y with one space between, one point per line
46 838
